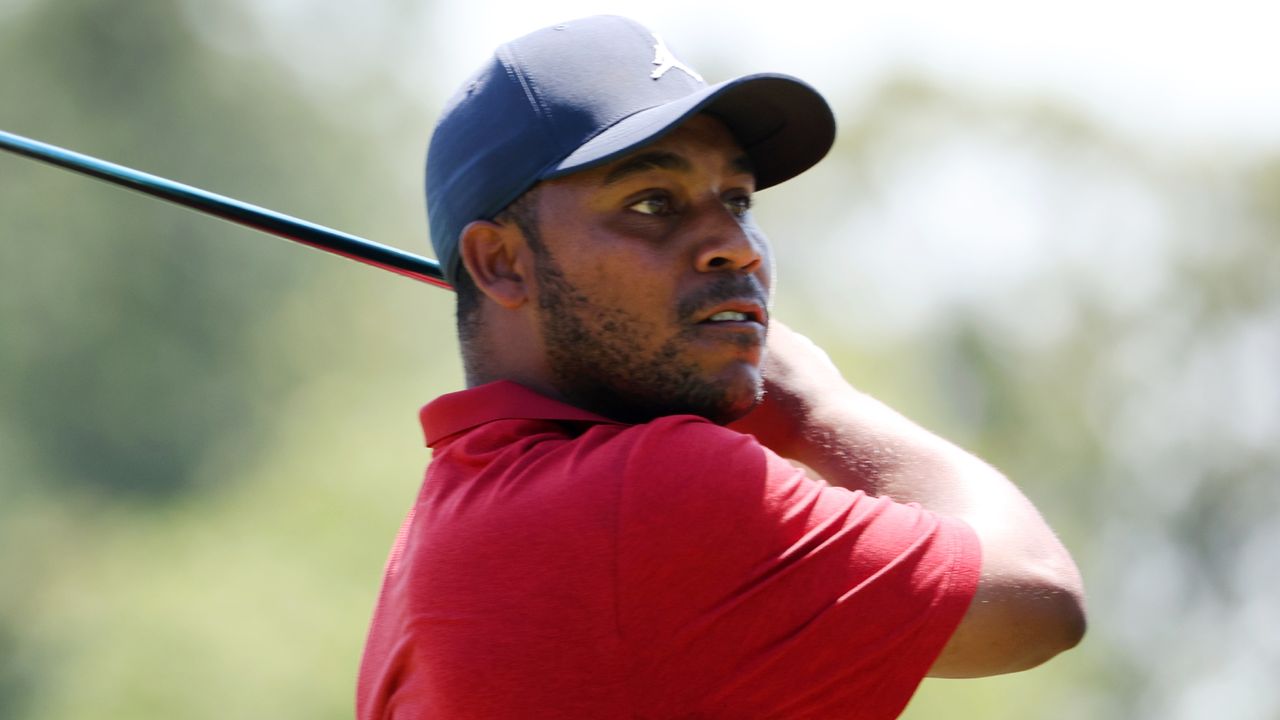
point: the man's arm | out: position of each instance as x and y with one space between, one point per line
1029 604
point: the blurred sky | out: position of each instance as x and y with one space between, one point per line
1180 70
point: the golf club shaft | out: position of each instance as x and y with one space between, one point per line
290 228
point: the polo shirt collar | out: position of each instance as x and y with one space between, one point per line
501 400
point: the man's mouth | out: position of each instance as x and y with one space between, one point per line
737 311
731 301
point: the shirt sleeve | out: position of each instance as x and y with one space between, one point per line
747 589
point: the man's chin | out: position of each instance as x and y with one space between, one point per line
738 410
737 398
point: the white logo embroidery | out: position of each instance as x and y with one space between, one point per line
666 60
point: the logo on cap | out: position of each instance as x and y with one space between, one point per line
666 60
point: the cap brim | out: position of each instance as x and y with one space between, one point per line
782 123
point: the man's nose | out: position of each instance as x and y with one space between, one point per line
726 242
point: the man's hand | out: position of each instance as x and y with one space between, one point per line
811 414
1030 602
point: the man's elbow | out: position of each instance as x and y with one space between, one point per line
1055 620
1060 627
1015 627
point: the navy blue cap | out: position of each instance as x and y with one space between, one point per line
572 96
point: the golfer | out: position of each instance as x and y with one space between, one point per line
653 499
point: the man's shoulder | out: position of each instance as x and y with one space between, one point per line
673 449
672 459
667 440
683 467
687 447
688 433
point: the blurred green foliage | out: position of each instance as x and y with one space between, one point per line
128 326
161 557
207 437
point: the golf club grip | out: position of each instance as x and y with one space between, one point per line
290 228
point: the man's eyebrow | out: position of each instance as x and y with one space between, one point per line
742 164
662 160
657 159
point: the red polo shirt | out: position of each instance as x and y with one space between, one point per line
558 564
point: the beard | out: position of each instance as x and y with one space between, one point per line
598 362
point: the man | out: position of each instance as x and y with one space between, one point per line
591 540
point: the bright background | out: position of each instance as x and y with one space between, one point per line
1049 231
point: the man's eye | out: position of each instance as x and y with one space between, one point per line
656 205
740 205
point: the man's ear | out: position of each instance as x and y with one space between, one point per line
492 254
